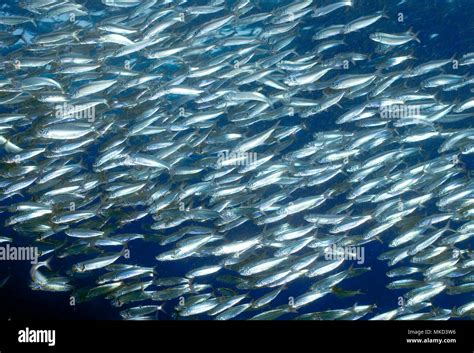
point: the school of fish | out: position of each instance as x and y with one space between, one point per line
194 122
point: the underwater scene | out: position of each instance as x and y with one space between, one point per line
237 160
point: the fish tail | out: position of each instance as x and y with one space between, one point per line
415 36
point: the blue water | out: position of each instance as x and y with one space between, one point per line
446 28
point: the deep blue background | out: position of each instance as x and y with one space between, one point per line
452 23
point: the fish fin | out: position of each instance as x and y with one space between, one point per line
74 35
379 72
343 172
412 55
274 127
257 5
337 291
23 37
292 309
171 171
442 69
379 239
11 147
160 308
328 194
435 310
47 263
421 206
448 228
415 36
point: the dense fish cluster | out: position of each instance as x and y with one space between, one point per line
193 124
